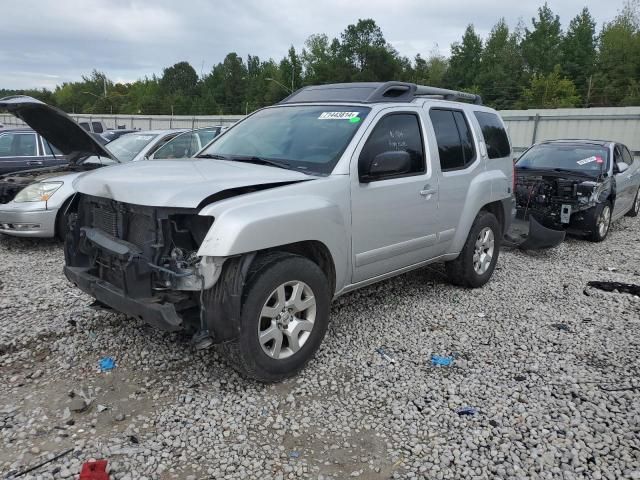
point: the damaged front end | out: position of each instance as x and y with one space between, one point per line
140 260
549 204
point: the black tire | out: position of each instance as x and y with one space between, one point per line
635 206
461 271
597 234
245 353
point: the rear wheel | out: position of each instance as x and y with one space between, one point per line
477 260
285 314
601 222
635 208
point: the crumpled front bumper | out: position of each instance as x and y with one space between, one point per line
160 315
530 234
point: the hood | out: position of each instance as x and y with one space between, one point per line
180 183
55 126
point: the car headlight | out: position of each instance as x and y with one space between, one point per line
37 192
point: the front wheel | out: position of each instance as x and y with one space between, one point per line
635 208
477 260
601 222
285 314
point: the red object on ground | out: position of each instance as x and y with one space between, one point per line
94 470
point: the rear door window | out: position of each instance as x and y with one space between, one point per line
495 136
85 125
455 141
97 127
626 156
18 145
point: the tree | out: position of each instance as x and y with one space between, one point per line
464 63
578 50
501 68
541 47
369 55
179 78
550 91
618 61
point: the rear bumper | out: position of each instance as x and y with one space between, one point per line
25 223
160 315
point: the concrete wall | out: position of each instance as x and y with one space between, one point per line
527 127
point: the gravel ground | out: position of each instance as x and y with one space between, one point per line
552 372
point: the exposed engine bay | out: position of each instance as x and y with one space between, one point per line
147 253
559 200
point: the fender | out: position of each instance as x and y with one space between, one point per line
478 195
241 227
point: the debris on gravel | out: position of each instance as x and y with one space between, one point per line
551 374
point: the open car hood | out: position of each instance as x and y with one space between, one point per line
58 128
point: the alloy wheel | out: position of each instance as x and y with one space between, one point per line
287 319
603 221
483 253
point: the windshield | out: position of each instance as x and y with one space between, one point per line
590 159
308 138
126 147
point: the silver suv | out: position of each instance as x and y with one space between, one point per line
334 188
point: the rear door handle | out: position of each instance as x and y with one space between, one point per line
34 162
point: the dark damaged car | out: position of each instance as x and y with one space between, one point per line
577 186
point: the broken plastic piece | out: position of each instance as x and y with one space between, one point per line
440 361
466 411
294 454
106 364
385 355
94 470
613 286
202 340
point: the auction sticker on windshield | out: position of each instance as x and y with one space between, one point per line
591 159
338 115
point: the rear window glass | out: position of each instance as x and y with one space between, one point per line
495 136
580 158
127 147
455 142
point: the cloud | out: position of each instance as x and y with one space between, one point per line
44 43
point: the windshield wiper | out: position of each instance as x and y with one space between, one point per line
215 156
248 159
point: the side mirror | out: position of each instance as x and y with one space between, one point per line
621 167
384 164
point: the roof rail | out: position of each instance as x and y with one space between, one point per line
374 92
423 90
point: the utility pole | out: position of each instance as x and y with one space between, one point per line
588 99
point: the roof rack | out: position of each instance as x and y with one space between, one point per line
375 92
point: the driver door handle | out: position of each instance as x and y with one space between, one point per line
428 191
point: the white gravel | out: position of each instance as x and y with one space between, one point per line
534 356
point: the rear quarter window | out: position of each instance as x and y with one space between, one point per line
495 136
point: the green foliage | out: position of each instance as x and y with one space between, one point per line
578 50
541 47
464 63
501 68
529 66
550 91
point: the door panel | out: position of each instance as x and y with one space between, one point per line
394 220
623 183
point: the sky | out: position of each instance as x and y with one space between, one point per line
44 43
